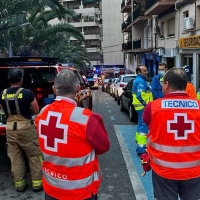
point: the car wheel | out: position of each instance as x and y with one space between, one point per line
118 100
122 109
132 114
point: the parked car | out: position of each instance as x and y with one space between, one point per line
105 85
126 101
122 82
112 91
109 84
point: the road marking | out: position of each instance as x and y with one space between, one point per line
138 189
109 111
108 106
112 117
106 102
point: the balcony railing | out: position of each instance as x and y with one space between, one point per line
142 43
149 3
129 20
124 25
136 13
127 46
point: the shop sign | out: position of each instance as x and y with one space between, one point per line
190 42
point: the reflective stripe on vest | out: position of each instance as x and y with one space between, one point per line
70 162
70 184
172 149
176 165
78 116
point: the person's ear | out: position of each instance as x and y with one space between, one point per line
54 89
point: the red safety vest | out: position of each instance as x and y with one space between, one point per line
70 168
174 145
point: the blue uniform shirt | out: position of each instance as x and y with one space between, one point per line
157 87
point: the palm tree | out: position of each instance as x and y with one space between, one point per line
72 52
43 35
14 16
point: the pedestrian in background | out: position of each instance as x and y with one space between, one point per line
142 95
157 81
190 90
19 104
174 123
71 138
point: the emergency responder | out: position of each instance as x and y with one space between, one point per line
156 85
142 95
70 139
18 104
174 123
190 90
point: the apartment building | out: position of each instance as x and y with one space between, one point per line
162 31
89 21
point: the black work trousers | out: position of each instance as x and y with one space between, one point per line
47 197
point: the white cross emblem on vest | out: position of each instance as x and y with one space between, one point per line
180 126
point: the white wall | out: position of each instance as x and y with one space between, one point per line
112 35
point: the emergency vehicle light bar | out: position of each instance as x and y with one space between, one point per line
28 61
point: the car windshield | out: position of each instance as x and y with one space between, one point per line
127 79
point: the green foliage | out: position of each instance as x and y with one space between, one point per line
25 29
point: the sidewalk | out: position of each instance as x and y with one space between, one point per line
142 186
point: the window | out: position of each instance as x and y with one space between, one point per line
162 30
185 14
171 27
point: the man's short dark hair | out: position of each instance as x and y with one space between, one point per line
138 68
177 79
15 75
163 64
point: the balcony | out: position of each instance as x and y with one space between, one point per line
142 44
127 47
138 17
156 7
124 27
124 7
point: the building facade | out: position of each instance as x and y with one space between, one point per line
171 34
88 20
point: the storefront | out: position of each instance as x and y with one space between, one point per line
189 54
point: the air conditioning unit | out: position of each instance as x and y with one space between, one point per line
156 30
149 22
188 23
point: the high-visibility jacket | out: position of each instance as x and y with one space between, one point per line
190 90
141 93
70 168
175 137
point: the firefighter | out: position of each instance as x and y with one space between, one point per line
174 123
70 138
142 95
18 104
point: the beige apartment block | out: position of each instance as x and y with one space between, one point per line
89 21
